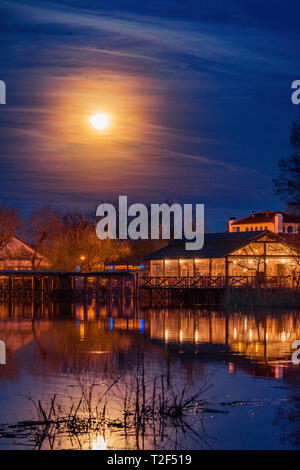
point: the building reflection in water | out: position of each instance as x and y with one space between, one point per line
262 336
56 341
258 342
264 340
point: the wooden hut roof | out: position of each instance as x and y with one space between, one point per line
216 245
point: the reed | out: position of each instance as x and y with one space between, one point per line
147 407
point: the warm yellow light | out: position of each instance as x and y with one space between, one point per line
81 331
166 261
82 258
283 260
100 121
99 444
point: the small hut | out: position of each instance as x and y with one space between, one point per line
18 255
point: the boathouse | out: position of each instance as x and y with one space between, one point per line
230 254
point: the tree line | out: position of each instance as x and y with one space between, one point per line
67 240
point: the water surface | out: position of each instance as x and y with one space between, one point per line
240 360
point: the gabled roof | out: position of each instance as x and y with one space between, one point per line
17 250
216 245
17 243
265 217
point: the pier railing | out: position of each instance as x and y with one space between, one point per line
290 282
124 284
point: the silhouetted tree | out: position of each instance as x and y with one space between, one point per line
41 230
287 185
10 223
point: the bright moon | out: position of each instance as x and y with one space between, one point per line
100 121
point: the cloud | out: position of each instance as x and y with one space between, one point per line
194 100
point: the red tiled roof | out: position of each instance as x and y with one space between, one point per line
265 217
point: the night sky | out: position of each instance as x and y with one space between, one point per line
199 95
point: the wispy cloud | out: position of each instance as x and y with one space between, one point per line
193 100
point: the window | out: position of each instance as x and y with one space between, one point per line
260 228
251 229
157 269
247 229
266 228
256 229
238 229
290 229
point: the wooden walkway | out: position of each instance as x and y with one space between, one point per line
111 286
64 284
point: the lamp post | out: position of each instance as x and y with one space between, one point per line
82 259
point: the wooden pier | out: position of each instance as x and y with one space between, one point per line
27 285
108 286
216 290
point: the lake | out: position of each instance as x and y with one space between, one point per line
88 376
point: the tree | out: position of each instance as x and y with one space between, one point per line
41 230
287 185
77 244
10 223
